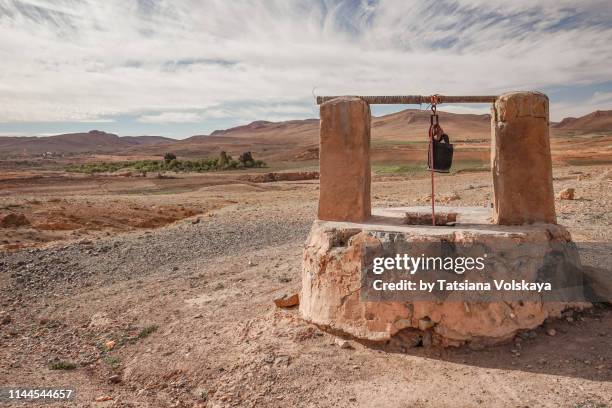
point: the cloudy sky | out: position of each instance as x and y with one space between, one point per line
184 67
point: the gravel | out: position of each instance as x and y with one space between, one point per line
63 268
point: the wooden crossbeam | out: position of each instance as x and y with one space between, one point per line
415 99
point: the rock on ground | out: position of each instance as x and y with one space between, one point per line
567 194
14 220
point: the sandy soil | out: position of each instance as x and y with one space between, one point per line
64 206
189 305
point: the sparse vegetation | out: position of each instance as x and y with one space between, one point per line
223 162
590 162
112 362
589 404
459 166
224 159
97 167
147 331
204 395
399 169
168 157
62 365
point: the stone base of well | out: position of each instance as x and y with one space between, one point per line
336 253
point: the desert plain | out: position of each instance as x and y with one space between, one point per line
157 289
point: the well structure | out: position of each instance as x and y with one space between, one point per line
348 233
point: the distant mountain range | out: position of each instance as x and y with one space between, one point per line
297 139
598 121
93 141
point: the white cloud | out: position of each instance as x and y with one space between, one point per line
190 60
171 117
272 112
602 98
599 101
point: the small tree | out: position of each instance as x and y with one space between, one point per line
168 157
245 158
223 160
173 164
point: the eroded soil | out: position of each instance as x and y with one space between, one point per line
189 305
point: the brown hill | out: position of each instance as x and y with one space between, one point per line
598 121
94 141
298 139
268 140
398 137
413 125
401 136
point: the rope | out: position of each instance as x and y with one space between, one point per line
434 100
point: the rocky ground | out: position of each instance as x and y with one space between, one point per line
183 315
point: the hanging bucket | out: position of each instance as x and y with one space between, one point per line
442 155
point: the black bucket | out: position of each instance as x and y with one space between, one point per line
442 155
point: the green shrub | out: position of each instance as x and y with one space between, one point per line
168 157
223 159
62 365
112 362
147 331
223 162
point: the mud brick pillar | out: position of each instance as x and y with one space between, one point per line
520 160
344 159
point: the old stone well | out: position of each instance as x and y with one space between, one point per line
519 236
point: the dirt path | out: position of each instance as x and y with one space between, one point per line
189 309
